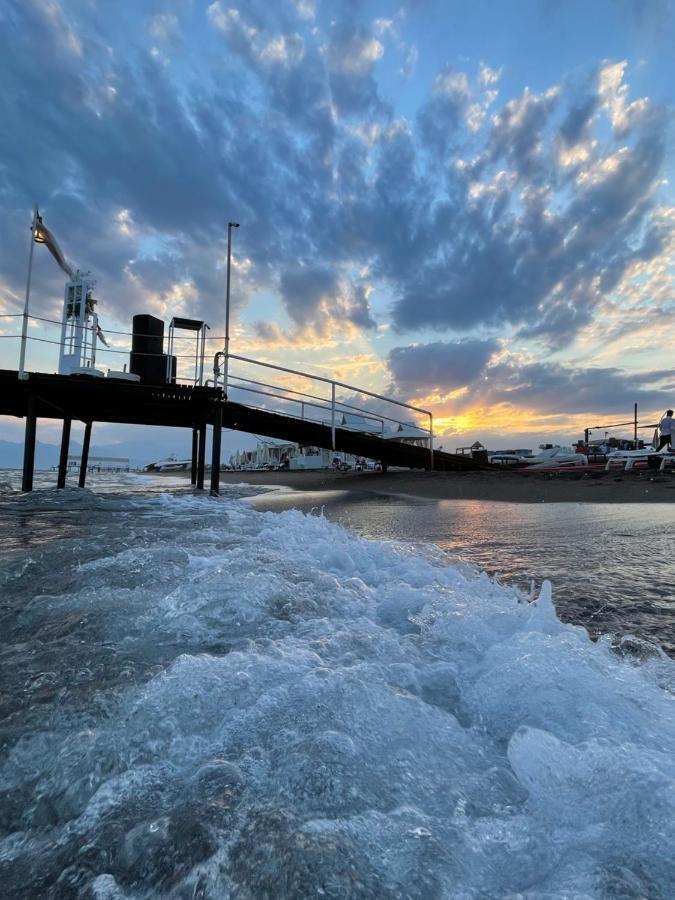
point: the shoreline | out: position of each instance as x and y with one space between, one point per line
499 486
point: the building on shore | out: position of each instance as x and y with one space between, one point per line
271 454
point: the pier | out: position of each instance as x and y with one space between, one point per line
93 400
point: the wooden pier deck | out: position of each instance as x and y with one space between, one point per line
90 399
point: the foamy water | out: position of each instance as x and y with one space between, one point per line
202 700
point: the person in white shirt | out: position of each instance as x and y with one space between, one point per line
666 430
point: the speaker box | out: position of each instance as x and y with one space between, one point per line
147 335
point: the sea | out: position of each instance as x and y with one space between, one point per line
286 697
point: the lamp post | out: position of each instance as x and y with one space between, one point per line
230 226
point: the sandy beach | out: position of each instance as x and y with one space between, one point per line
511 487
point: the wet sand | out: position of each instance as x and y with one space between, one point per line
511 487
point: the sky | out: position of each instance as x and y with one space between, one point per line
467 206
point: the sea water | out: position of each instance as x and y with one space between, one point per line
611 564
201 700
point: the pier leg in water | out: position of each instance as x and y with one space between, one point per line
195 451
215 450
202 457
29 447
63 457
85 454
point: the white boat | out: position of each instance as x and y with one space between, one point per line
549 458
556 458
658 459
170 464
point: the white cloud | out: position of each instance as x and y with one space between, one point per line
286 49
355 56
53 13
614 96
163 26
306 8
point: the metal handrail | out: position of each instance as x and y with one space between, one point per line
322 404
342 403
333 402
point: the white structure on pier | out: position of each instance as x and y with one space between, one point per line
79 327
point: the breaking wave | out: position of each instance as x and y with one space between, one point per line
203 701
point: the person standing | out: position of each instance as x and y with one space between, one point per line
666 430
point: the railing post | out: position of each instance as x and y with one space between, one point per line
431 440
332 414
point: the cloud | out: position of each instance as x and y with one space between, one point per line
557 389
317 298
521 217
523 239
440 366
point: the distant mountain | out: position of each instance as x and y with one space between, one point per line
46 455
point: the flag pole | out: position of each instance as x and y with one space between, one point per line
24 328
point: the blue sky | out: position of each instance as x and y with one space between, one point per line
468 205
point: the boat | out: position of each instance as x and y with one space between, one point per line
655 459
170 464
556 458
549 458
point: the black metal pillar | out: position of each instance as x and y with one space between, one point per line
195 451
84 459
215 449
201 462
63 458
29 447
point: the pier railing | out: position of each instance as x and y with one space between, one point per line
325 401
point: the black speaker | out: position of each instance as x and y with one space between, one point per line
148 335
151 369
147 349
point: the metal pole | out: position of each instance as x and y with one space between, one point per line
29 447
332 414
24 326
195 452
431 440
201 461
635 425
215 450
63 457
84 459
226 366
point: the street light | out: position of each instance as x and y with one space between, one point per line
230 226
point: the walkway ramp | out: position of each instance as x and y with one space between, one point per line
313 434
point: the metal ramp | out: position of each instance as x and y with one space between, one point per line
312 410
389 452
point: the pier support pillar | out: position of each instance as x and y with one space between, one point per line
215 450
29 447
195 452
201 461
63 457
84 459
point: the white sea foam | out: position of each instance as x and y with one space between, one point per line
308 713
